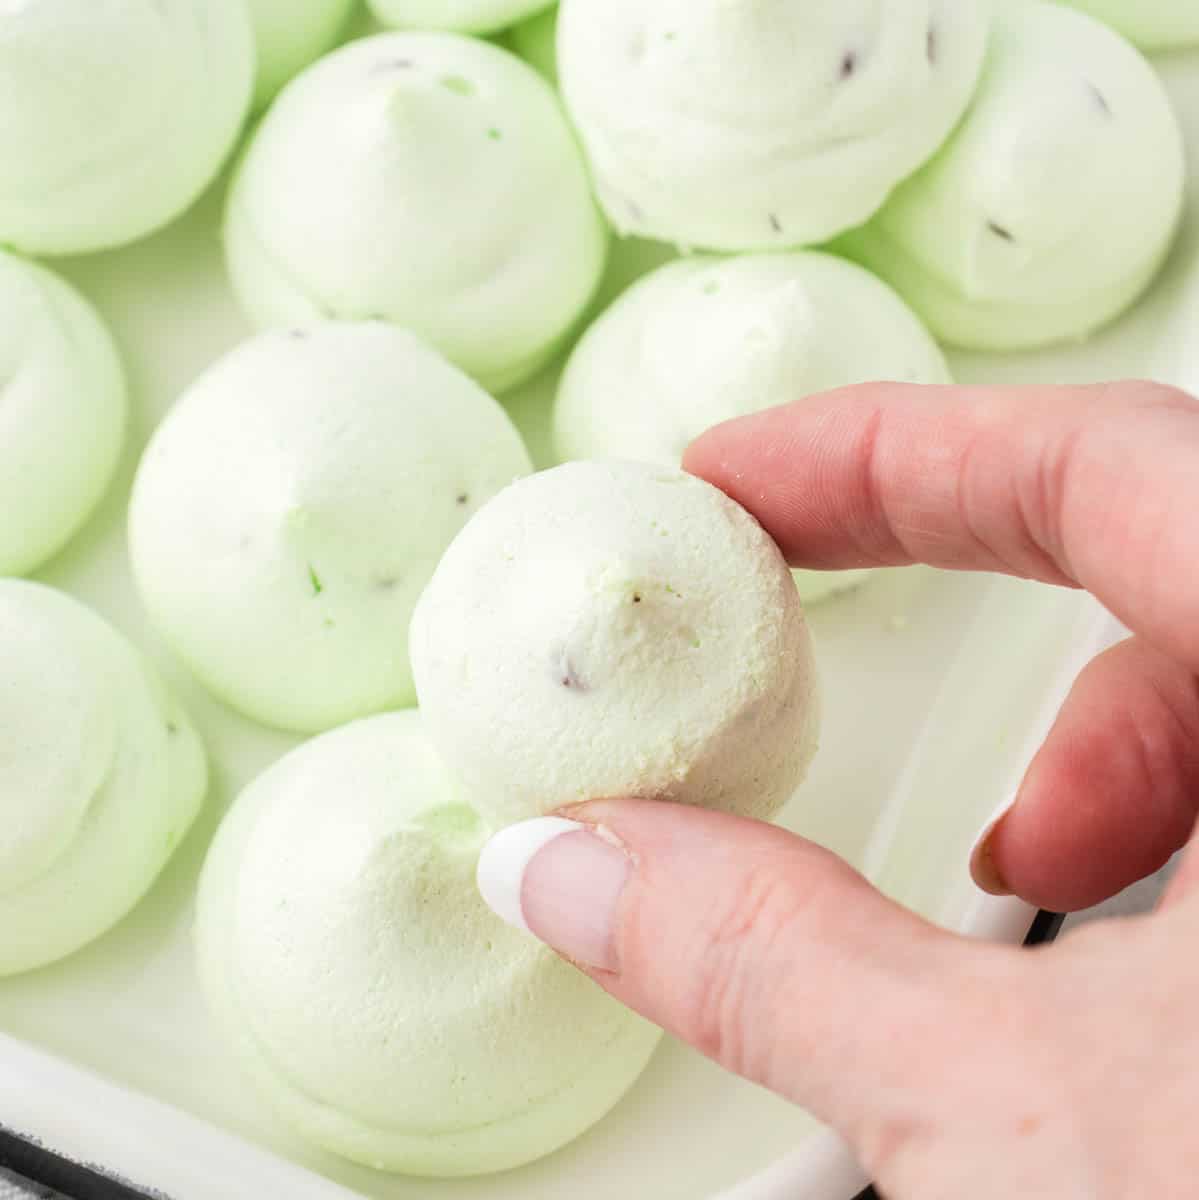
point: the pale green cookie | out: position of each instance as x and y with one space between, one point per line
62 413
1055 202
459 16
428 179
535 41
756 126
700 341
616 629
294 503
101 775
289 34
380 1006
1151 24
115 115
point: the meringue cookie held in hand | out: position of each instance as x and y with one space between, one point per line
762 124
428 179
704 340
616 629
293 504
101 775
1055 202
63 413
381 1007
114 116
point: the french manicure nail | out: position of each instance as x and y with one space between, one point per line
560 881
982 862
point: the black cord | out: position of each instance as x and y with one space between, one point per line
43 1169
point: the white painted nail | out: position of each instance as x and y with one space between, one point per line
501 870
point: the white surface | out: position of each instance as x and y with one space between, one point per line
936 689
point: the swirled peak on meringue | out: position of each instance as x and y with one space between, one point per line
101 775
762 124
114 116
427 179
1056 200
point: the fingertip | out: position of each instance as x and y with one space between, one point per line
984 869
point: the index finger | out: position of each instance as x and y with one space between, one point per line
1093 487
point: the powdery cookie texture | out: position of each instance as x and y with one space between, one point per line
290 34
767 124
101 775
1151 24
63 413
701 341
114 116
615 629
1055 202
461 16
382 1008
294 503
428 179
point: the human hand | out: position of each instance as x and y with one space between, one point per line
951 1067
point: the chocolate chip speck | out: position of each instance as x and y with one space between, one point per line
1100 99
570 679
1000 231
932 45
567 675
463 499
849 64
775 223
172 728
636 597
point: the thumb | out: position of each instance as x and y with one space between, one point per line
761 950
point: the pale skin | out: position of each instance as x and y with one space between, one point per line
952 1067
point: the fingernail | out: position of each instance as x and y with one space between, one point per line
982 861
560 881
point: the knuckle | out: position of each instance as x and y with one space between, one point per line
743 964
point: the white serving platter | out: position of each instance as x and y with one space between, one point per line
938 689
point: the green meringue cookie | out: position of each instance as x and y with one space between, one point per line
428 179
458 16
101 775
535 40
1151 24
290 34
616 629
63 413
115 115
292 506
379 1005
762 124
700 341
1056 201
